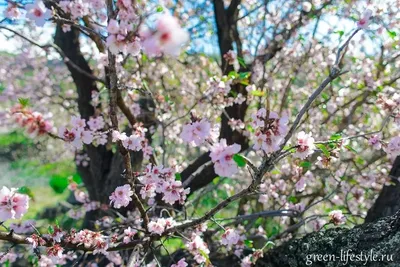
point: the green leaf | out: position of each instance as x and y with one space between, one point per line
241 62
323 149
305 164
50 229
392 34
293 199
257 93
178 176
240 161
350 148
336 136
23 101
160 9
233 75
244 75
58 183
248 243
340 33
26 191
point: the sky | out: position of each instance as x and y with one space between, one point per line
44 35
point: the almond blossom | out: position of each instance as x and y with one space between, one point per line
375 141
198 248
269 133
121 196
222 157
167 37
364 21
160 225
393 147
196 132
180 263
13 205
337 217
12 11
38 13
305 145
128 234
230 237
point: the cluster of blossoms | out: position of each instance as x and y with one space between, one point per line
196 132
160 225
24 227
8 257
198 248
269 132
337 217
121 196
375 141
13 205
231 59
82 132
33 122
393 147
305 145
222 157
135 142
89 239
218 89
119 40
389 104
157 179
166 38
82 159
231 238
180 263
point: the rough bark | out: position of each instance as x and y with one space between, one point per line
381 237
388 201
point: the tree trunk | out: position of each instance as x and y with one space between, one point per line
388 201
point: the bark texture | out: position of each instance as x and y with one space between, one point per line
382 237
388 201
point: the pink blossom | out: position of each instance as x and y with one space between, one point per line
121 196
230 237
173 192
167 38
305 145
301 184
12 11
159 226
180 263
128 234
222 157
337 217
364 21
198 248
10 257
393 147
12 204
269 133
96 123
306 6
24 227
38 13
375 141
113 26
196 133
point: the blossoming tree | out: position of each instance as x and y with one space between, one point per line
191 159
